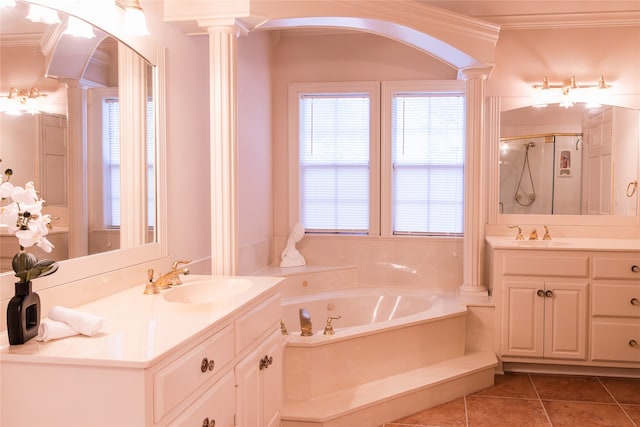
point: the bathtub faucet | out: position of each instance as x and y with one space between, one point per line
305 323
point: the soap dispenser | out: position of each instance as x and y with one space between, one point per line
23 314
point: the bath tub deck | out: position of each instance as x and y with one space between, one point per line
366 375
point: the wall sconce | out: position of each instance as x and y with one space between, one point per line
21 101
568 91
134 20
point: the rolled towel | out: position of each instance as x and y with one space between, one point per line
84 323
53 330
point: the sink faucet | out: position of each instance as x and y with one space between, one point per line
172 278
305 323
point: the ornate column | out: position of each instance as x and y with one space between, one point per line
133 148
77 181
474 217
223 145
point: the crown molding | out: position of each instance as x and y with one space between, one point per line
566 20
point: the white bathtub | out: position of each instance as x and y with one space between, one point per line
381 332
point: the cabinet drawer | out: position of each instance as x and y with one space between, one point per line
258 320
216 406
612 340
616 300
619 267
546 265
175 382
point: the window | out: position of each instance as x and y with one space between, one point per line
428 136
111 162
379 162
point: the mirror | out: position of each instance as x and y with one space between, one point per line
96 131
569 161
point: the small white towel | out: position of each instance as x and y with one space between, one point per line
84 323
53 330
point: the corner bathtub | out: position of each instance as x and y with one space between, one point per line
381 332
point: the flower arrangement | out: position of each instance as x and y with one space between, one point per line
23 217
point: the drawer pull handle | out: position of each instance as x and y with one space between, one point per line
207 364
633 343
208 423
540 293
635 268
265 362
548 294
635 301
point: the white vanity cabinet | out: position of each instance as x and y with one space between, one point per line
543 304
168 364
615 308
567 306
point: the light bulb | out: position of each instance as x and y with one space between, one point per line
134 22
43 14
79 28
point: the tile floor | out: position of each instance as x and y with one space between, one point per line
539 400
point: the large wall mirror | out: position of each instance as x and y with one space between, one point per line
93 149
568 165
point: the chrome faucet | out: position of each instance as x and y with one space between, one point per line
172 278
306 330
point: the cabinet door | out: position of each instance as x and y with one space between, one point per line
523 318
272 380
248 390
565 320
213 408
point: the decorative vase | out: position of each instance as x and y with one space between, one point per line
23 314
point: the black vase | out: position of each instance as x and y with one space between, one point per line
23 314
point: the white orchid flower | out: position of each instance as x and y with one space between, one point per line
6 189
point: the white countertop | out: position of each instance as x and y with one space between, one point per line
566 244
139 329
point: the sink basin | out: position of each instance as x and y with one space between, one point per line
533 243
209 290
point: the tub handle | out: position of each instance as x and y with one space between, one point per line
328 329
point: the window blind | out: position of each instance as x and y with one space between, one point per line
428 140
111 132
334 162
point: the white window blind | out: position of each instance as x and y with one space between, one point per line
111 156
334 162
428 148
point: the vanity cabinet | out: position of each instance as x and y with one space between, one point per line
166 364
543 303
259 378
615 322
567 307
545 318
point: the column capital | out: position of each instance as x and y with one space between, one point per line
475 73
225 25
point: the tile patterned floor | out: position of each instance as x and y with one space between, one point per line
539 400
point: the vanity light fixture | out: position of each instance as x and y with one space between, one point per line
567 89
21 101
42 14
134 20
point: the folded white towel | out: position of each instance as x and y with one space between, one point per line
84 323
53 330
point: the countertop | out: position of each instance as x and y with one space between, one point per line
566 244
139 329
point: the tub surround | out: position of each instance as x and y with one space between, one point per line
146 344
569 304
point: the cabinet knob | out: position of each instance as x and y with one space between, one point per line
540 293
635 301
549 293
208 423
633 343
635 268
207 364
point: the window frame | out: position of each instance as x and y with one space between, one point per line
381 159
